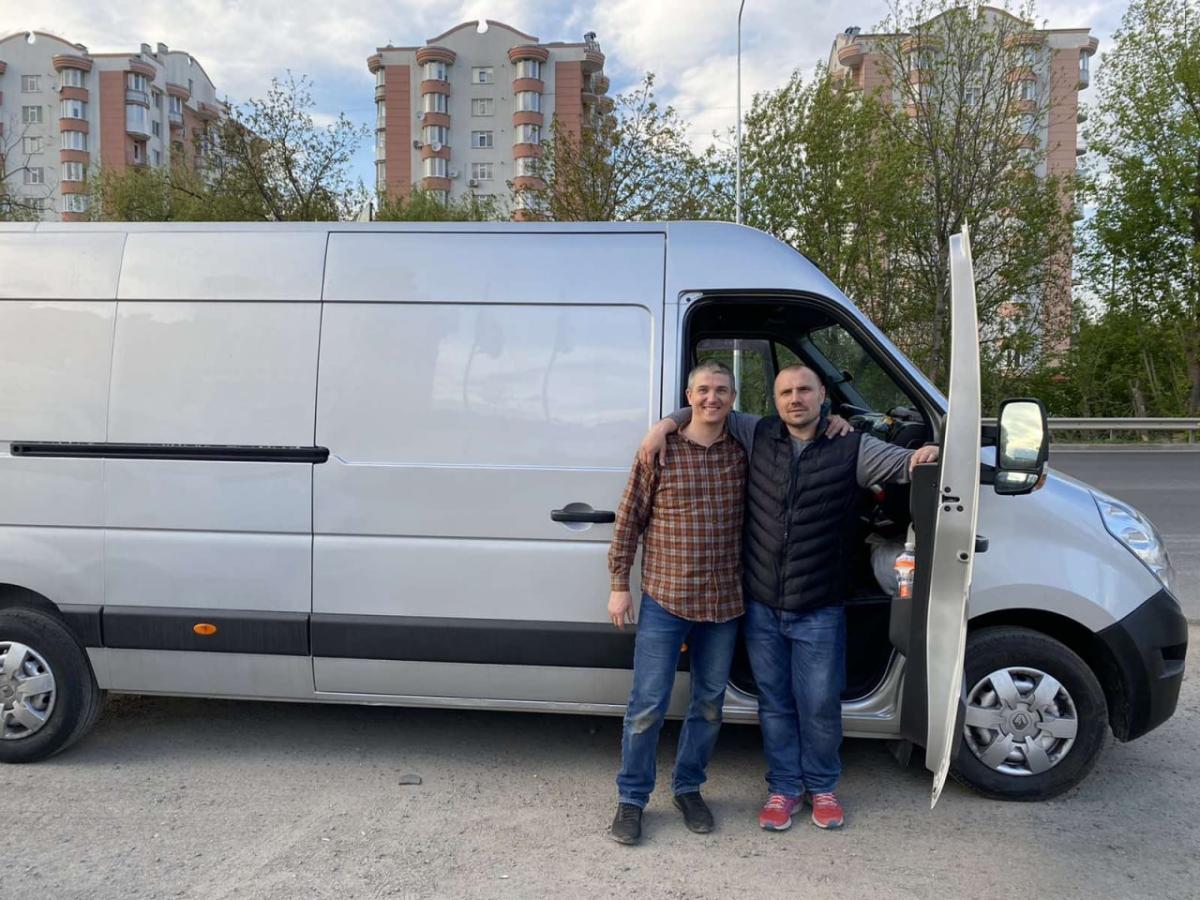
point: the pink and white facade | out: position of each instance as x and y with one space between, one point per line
467 111
64 111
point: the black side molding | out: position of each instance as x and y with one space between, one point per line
218 452
488 641
236 631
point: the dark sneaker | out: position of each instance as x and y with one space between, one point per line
827 810
627 824
696 814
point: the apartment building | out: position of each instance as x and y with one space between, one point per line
466 112
1051 68
64 110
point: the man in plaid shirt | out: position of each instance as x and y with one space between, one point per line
689 512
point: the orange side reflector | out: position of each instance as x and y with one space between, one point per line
204 629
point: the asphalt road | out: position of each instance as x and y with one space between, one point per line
220 800
1163 484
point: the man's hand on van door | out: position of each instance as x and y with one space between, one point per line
653 449
923 455
620 608
838 427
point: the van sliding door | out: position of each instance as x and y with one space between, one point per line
469 386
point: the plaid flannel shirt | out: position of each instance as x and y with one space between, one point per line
689 512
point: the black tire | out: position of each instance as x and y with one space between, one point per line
78 701
992 649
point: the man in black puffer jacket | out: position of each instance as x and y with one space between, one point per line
802 498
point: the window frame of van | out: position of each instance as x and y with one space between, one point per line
931 408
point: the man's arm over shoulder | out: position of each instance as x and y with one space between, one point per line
633 514
880 462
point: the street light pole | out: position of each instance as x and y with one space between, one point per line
738 189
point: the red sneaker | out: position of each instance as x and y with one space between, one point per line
776 814
827 810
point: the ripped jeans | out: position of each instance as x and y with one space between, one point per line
660 635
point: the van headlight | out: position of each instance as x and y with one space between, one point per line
1137 533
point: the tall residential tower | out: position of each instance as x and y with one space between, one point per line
64 110
466 112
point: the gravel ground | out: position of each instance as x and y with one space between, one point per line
207 799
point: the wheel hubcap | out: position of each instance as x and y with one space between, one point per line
27 691
1020 721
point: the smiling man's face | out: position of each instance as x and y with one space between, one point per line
711 397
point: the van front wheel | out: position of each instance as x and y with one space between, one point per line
1035 717
48 694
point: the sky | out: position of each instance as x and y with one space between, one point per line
690 45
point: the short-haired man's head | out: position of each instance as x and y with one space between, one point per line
710 392
799 395
716 367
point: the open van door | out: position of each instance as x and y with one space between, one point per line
932 634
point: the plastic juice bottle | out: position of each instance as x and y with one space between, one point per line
906 566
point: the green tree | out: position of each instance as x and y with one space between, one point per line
971 130
426 206
266 161
1142 247
634 163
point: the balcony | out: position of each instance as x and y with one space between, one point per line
176 119
132 95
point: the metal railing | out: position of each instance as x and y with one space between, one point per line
1190 426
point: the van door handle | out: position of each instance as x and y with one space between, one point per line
583 515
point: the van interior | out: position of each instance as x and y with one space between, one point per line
759 336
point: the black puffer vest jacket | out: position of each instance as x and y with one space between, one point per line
800 514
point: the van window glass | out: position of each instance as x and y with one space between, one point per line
868 382
751 362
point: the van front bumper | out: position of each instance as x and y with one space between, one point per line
1148 647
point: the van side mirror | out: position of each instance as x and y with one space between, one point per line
1022 447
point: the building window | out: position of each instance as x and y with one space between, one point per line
137 82
483 75
1084 59
155 128
380 77
156 99
137 152
482 171
175 105
31 145
380 144
31 84
136 118
529 101
191 87
434 103
527 134
433 167
380 114
157 157
434 71
1028 90
42 204
526 165
71 78
73 109
31 115
73 171
435 134
440 196
481 140
76 203
35 175
380 175
529 68
482 106
74 140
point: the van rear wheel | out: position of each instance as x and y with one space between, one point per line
1035 718
48 694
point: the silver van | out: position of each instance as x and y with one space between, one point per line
377 463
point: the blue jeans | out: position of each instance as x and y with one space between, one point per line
799 663
660 635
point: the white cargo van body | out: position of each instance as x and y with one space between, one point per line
376 463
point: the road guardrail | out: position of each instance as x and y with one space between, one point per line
1191 426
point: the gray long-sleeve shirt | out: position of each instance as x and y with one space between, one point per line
878 461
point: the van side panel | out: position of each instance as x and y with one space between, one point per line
57 309
455 425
